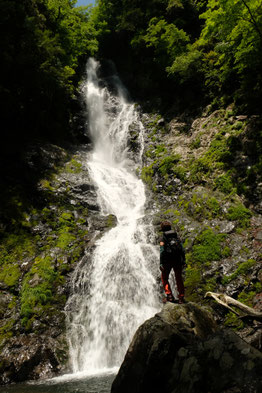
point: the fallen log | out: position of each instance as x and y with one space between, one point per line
227 301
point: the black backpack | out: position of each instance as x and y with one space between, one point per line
173 246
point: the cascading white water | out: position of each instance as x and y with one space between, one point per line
117 291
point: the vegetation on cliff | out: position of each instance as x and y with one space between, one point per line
41 239
204 174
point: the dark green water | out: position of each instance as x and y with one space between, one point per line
94 384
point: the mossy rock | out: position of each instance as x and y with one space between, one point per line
10 274
73 166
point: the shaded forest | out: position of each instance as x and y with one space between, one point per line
185 53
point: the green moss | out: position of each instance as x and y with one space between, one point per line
110 221
38 291
147 174
229 113
65 238
242 269
200 167
153 122
233 321
46 185
244 250
150 152
196 286
210 285
218 157
200 206
73 166
160 150
64 232
207 247
10 274
247 296
65 217
214 207
196 143
226 252
37 288
12 304
6 331
238 125
192 281
166 164
224 183
180 172
14 248
241 214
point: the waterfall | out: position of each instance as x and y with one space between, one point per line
117 291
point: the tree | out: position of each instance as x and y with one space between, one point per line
167 40
43 43
232 33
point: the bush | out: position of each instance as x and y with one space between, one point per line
166 165
224 183
208 247
147 174
241 214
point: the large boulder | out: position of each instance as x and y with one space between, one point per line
180 350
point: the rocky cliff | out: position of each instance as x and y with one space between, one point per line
45 231
204 173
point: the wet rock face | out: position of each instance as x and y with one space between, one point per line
63 227
31 357
180 350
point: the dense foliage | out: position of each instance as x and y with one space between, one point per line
192 52
43 44
210 49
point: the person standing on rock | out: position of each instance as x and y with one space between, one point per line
172 256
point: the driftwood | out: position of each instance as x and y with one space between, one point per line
226 301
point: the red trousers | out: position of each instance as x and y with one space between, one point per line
178 274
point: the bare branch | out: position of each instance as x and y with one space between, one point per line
225 300
252 18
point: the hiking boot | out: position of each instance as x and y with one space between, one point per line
181 300
170 298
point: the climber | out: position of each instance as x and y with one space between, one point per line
172 256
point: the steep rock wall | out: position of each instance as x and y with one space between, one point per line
204 176
44 233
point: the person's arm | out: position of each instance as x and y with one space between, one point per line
162 249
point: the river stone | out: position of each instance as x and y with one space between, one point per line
180 350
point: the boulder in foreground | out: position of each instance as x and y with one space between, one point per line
180 350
